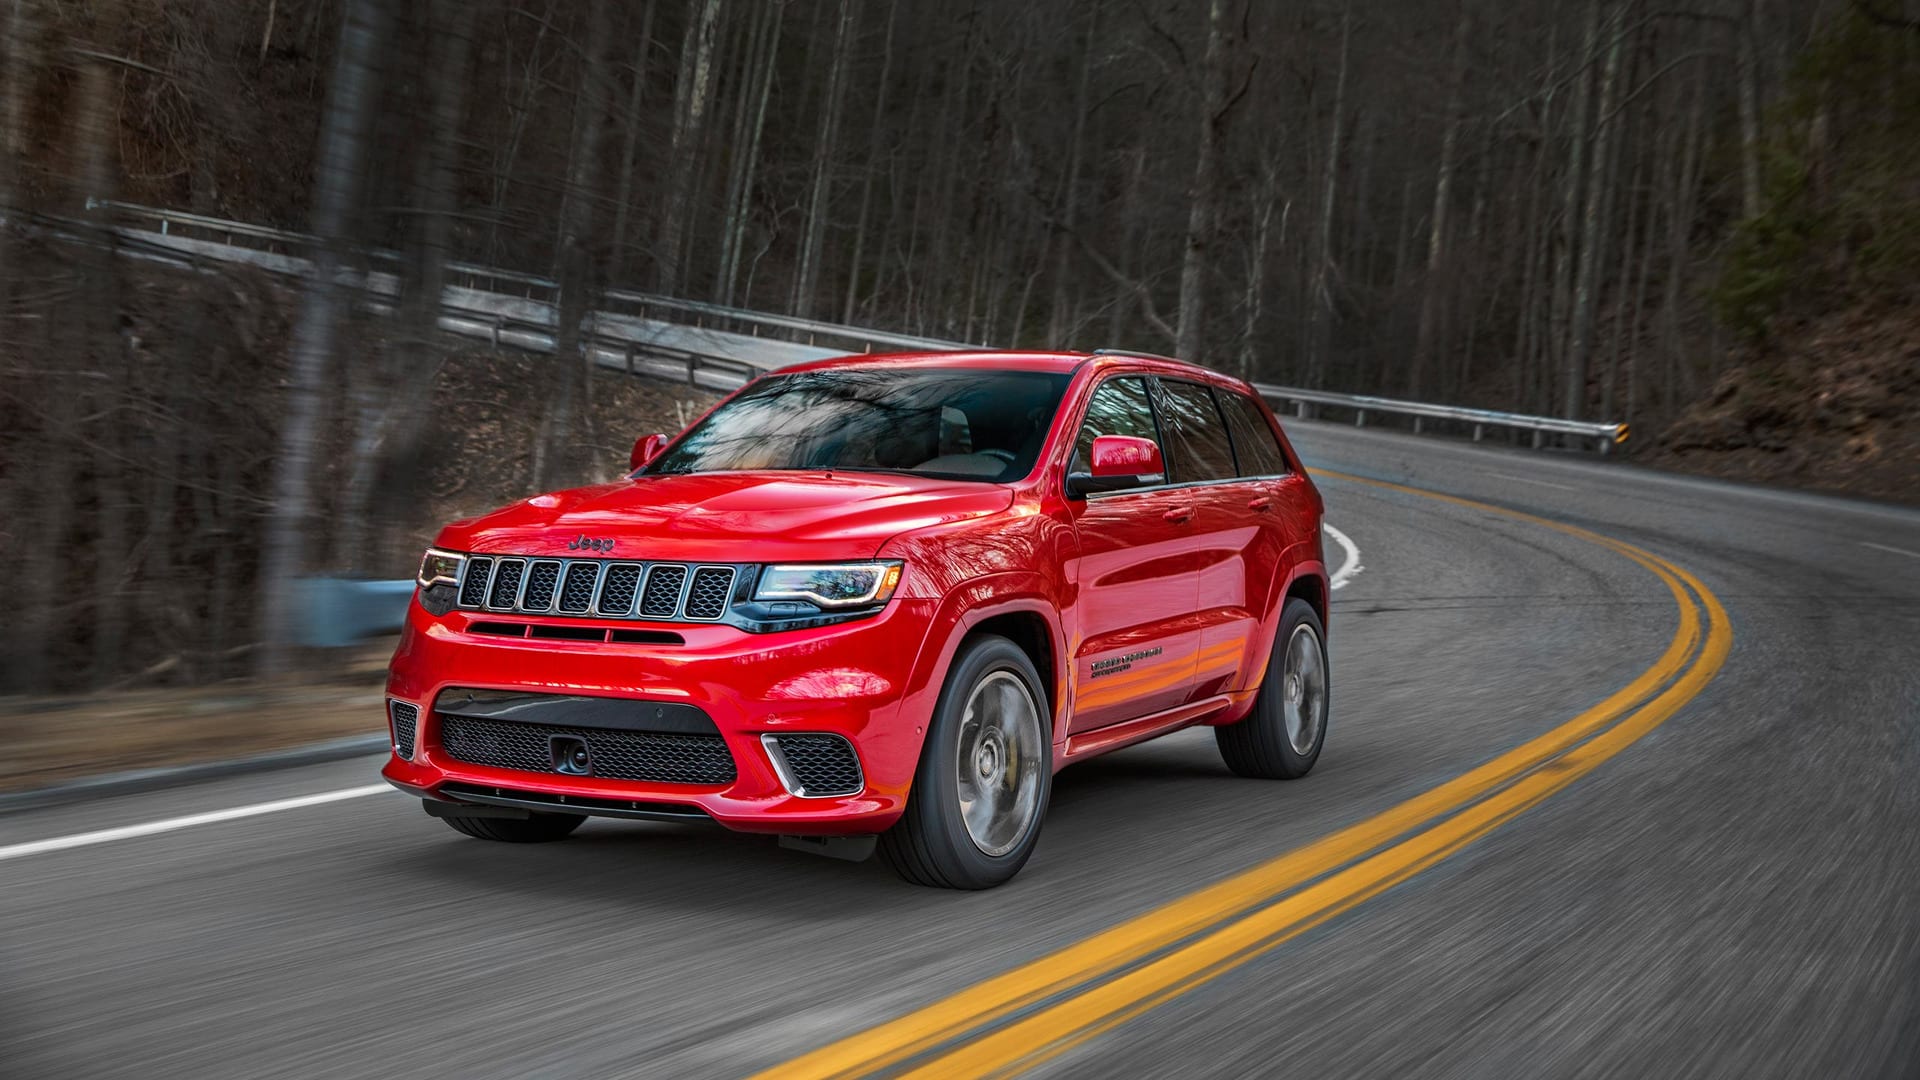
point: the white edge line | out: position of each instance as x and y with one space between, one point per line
127 832
1352 564
1895 550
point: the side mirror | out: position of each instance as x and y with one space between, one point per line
1119 462
645 449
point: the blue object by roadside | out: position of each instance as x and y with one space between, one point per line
342 611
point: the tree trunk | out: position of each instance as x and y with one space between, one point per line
825 147
1320 293
1593 232
629 144
577 271
747 158
1203 197
875 140
1563 267
1423 344
338 168
1058 314
691 92
1747 78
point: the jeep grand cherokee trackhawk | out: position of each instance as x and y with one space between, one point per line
876 600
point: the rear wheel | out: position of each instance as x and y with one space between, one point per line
1281 738
537 829
986 770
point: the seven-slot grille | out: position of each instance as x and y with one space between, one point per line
404 717
598 588
653 757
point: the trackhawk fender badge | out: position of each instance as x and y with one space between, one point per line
591 543
1115 664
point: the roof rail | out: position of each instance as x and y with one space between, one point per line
1137 354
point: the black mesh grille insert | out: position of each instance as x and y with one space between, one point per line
543 579
506 583
616 596
822 764
616 755
577 593
662 597
707 599
404 718
474 589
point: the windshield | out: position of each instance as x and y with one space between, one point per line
960 424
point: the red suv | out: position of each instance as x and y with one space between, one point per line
877 601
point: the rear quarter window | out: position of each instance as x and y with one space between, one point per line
1254 442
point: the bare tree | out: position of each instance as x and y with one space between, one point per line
343 141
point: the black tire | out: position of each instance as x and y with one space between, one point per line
931 844
1259 745
538 829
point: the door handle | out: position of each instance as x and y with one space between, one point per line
1259 503
1179 514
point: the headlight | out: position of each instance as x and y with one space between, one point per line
831 585
439 568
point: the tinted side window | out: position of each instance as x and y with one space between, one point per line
1253 439
1197 445
1118 407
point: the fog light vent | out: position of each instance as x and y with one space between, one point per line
815 766
405 719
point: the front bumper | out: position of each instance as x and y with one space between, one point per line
852 680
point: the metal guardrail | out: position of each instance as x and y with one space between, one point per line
715 346
1305 402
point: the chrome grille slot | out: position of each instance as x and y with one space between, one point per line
576 596
662 596
616 595
506 584
404 718
473 590
708 595
543 580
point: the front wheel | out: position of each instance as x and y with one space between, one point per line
986 771
1281 738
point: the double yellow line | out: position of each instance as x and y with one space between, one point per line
1037 1011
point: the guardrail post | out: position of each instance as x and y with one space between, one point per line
1300 409
628 351
1606 446
1536 438
1360 418
690 366
1417 424
1479 430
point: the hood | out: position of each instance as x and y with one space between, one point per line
726 517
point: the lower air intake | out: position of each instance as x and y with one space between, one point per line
651 757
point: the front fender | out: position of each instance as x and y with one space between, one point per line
966 607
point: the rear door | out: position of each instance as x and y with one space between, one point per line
1279 502
1235 546
1135 577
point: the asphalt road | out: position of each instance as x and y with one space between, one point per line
1737 893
